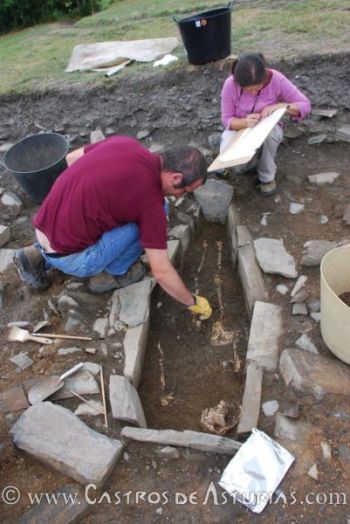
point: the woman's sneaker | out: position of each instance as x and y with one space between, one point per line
31 267
105 282
267 188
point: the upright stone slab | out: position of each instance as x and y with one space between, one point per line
125 401
314 374
273 257
251 277
135 343
63 512
6 259
214 199
182 232
56 437
232 222
251 399
265 331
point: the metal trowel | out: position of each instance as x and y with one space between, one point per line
48 386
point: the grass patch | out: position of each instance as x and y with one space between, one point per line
40 54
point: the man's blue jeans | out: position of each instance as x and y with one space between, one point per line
113 253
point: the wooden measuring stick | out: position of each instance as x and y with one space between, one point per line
96 408
56 335
103 396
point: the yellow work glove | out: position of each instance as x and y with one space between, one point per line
201 308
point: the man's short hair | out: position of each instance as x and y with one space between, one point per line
186 160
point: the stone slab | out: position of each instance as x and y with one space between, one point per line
13 399
233 220
251 277
264 335
64 511
273 258
5 235
286 428
189 439
57 438
135 342
125 401
314 374
6 259
251 399
130 305
214 199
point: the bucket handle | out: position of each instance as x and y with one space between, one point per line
229 5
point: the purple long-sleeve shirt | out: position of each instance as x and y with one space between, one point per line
237 103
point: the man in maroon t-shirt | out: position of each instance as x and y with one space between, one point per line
107 208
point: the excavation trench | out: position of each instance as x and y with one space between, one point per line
185 372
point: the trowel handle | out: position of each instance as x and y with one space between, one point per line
71 371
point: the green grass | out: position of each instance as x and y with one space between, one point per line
37 56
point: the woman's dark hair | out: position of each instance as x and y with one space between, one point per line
249 69
186 160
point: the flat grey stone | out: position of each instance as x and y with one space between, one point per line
5 235
270 408
300 283
100 327
346 215
61 512
168 452
326 450
13 399
323 178
189 439
56 437
96 136
135 343
314 374
289 408
343 133
317 139
6 259
296 430
130 305
125 401
214 199
182 232
299 309
315 250
251 277
300 297
326 113
92 367
304 342
22 360
233 220
316 316
88 409
273 257
81 382
264 335
282 289
250 409
173 249
295 208
68 351
11 199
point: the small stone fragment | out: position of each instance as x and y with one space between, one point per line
313 472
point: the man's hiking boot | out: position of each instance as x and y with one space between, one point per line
31 267
267 188
105 282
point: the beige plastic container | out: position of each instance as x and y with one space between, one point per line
335 314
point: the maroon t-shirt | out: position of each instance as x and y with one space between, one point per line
115 182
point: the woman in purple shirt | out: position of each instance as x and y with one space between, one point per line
252 92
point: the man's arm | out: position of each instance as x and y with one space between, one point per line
167 277
74 155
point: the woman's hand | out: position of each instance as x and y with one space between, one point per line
252 119
270 109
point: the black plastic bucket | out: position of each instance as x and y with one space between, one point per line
36 161
207 35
